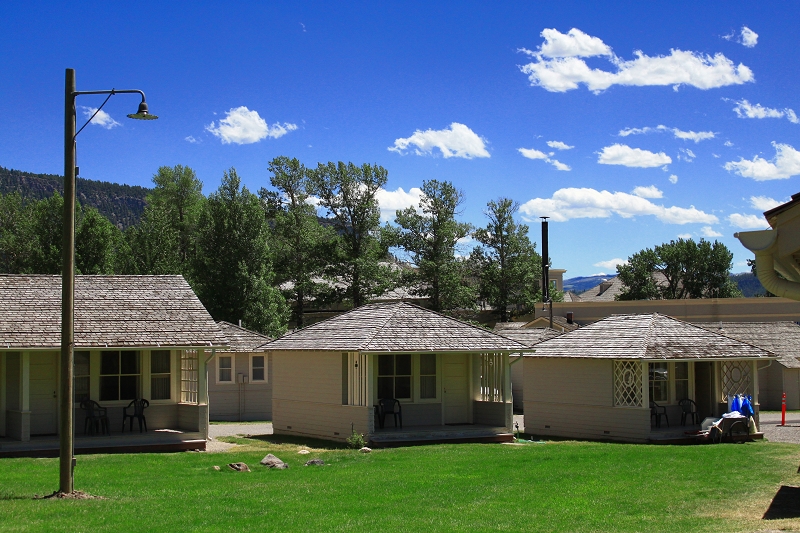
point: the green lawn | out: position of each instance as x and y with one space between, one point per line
556 486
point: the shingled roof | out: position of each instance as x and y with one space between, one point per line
780 338
651 337
110 311
529 336
241 339
394 327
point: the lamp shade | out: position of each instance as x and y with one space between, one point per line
142 114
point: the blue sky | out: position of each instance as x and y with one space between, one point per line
629 123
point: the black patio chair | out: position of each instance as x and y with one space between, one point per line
689 409
138 406
658 411
95 418
390 406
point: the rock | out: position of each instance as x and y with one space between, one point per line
271 461
315 462
365 450
304 452
239 467
216 468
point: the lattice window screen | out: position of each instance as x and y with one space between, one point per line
627 384
737 378
190 376
492 377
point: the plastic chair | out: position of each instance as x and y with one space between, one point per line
688 409
96 417
138 406
390 406
658 411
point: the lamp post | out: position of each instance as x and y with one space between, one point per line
66 429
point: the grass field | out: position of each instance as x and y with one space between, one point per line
555 486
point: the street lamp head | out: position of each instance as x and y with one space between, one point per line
142 114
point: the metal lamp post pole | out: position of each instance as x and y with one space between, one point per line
67 403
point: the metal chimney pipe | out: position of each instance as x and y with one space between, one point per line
546 269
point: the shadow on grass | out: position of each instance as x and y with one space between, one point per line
785 504
298 441
6 497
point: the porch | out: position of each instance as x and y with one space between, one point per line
678 434
153 441
445 434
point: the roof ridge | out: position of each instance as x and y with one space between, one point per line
380 328
243 329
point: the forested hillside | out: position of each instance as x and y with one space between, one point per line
123 205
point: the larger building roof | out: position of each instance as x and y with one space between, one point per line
650 337
241 339
394 327
780 338
110 311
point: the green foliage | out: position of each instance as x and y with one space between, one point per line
507 264
356 440
348 193
152 246
16 239
688 270
430 237
47 223
233 266
96 243
301 245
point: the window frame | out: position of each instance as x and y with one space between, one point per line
672 393
120 375
265 367
219 358
76 376
161 375
415 378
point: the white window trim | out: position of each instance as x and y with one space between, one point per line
416 380
233 369
171 398
266 368
671 388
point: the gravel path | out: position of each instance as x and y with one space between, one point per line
770 425
230 430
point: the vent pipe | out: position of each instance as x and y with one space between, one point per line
546 269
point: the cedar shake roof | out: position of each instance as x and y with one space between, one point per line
394 327
110 311
780 338
530 336
242 340
649 337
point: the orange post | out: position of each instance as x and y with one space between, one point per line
783 410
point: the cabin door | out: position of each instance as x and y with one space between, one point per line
703 388
456 389
43 397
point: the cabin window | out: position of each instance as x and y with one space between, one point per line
394 376
225 369
681 381
190 376
427 376
258 368
627 384
160 375
659 381
81 374
119 375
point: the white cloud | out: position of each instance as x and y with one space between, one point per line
101 119
621 154
558 145
191 140
684 154
570 203
728 144
557 66
457 141
242 126
391 201
533 153
695 136
745 109
709 232
684 235
673 179
648 192
785 165
749 38
611 264
747 221
763 203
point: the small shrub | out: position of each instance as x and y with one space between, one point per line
356 441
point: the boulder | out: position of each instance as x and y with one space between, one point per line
239 467
365 450
304 452
271 461
315 462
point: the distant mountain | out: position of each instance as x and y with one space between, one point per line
582 283
749 285
123 205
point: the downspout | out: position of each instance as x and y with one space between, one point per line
765 270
